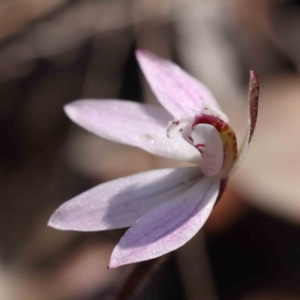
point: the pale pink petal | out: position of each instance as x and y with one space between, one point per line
119 203
131 123
207 140
253 98
168 226
181 94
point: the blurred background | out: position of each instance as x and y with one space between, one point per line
56 51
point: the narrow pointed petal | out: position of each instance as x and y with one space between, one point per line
168 226
207 140
130 123
253 99
119 203
253 103
181 94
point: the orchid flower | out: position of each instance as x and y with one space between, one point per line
164 208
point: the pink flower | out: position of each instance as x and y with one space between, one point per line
163 208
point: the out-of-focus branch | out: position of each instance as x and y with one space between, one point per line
195 270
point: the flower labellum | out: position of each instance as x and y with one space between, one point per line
164 208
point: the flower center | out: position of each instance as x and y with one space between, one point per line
211 145
228 139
